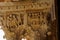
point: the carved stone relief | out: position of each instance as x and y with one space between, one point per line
32 21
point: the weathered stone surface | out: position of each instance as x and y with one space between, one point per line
30 20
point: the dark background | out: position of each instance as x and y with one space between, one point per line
58 15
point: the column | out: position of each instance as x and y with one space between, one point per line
25 18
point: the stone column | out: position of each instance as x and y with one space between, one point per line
25 18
